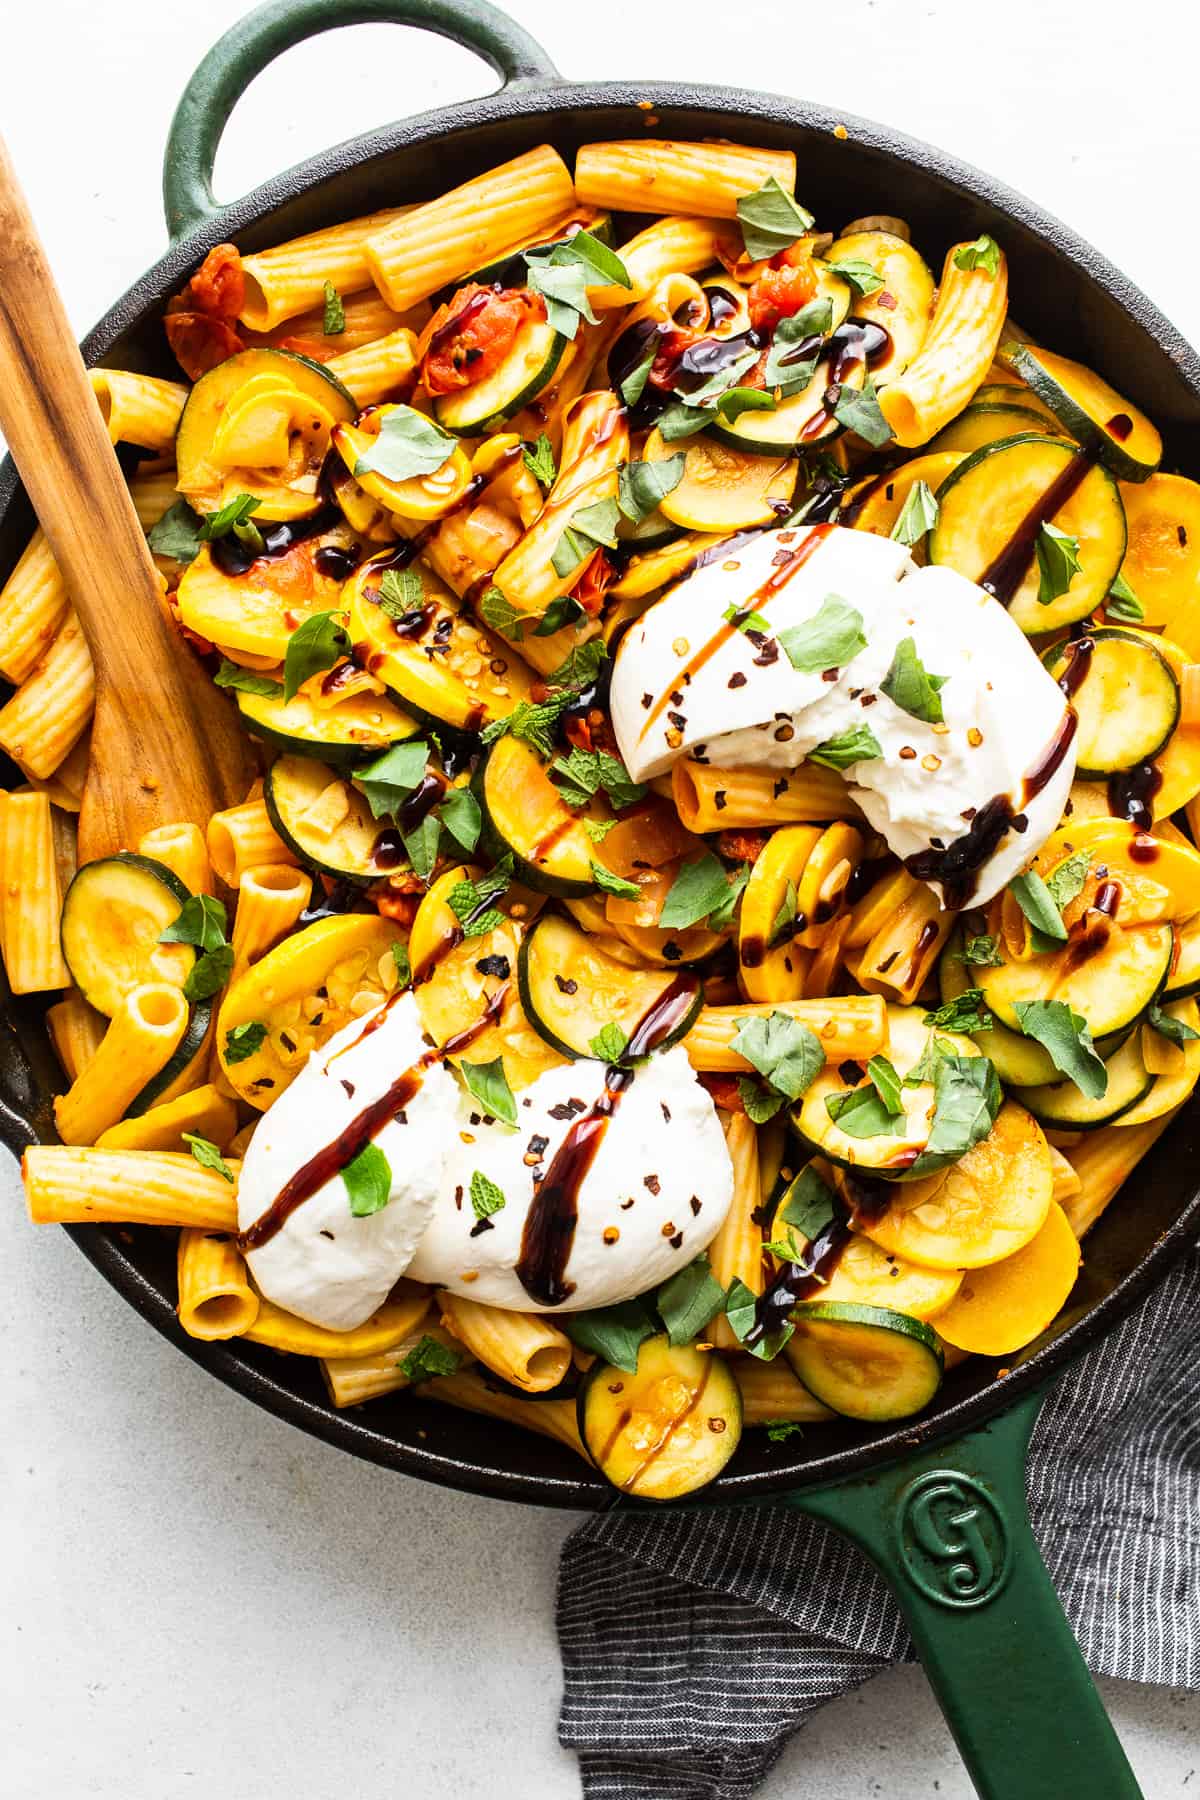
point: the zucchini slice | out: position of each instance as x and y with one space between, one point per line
666 1431
1013 392
1172 1089
1019 1061
801 422
571 990
875 503
865 1274
1184 978
650 533
294 402
301 992
887 1155
984 1207
441 665
994 491
182 1071
1002 1309
524 814
327 823
773 970
1094 413
525 371
1127 702
1062 1107
864 1362
256 613
114 913
358 727
986 423
1159 876
903 304
724 489
1111 989
1162 559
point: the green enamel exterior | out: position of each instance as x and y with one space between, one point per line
949 1531
947 1528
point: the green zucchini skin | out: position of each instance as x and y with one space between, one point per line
551 1016
190 1046
688 1459
1024 361
81 943
826 1331
496 842
1119 731
471 411
296 728
354 866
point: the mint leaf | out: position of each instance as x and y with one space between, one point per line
201 921
771 220
918 515
1068 1039
590 527
967 1097
608 883
1067 881
246 681
489 1084
910 688
408 446
486 1197
982 952
539 460
1037 903
585 773
471 901
984 253
368 1181
177 534
859 744
779 1430
315 645
689 1301
335 313
566 610
609 1044
388 781
496 610
400 594
531 721
460 814
613 1333
1058 563
580 669
244 1041
785 1051
830 639
968 1011
598 829
428 1359
207 1155
858 410
641 486
858 275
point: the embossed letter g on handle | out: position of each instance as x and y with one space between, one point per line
954 1543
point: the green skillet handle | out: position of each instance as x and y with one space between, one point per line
246 49
949 1531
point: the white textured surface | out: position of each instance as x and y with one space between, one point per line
195 1598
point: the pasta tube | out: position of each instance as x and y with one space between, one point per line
216 1299
243 837
853 1026
182 849
142 1037
353 1379
956 355
522 1348
139 409
657 175
377 371
269 902
204 1111
65 1186
709 799
32 898
1102 1161
64 789
153 495
736 1251
474 224
668 247
290 279
549 1418
773 1395
33 604
49 711
76 1030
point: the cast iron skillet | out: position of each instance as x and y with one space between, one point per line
938 1503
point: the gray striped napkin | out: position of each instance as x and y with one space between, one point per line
694 1644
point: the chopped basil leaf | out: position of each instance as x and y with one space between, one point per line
779 1430
1037 903
701 890
460 814
429 1358
741 1309
235 517
968 1011
422 843
785 918
539 460
613 1333
401 593
335 312
244 1041
209 973
918 515
679 420
858 275
368 1181
246 681
176 534
807 1206
737 400
562 276
608 883
403 965
908 685
642 485
634 384
486 1197
689 1301
707 395
967 1097
984 253
585 773
860 1113
207 1155
1067 1037
564 611
886 1083
1176 1031
201 921
315 645
408 446
828 640
388 781
858 410
1058 563
1123 604
609 1043
771 220
859 744
590 527
489 1084
496 610
786 371
785 1051
925 1067
760 1103
745 621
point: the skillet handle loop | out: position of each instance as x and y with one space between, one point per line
949 1531
255 41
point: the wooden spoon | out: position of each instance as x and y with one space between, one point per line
165 742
